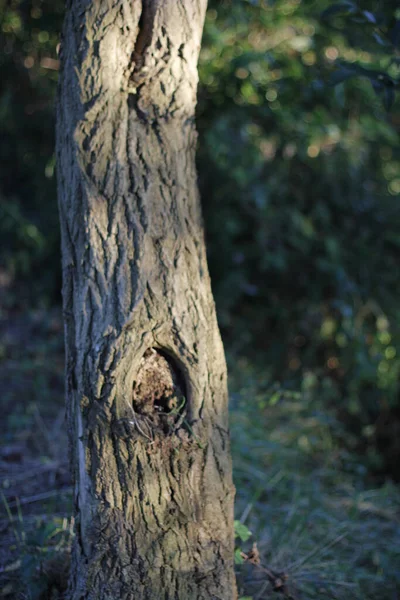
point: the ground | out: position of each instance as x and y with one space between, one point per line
320 527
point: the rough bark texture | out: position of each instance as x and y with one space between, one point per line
146 375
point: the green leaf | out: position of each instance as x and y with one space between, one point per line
274 398
239 560
241 531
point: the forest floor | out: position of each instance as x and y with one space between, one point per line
310 523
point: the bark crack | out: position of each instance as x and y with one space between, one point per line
143 39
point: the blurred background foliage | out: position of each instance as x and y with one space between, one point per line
299 180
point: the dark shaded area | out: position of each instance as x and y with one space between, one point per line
159 394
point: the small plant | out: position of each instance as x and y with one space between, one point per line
243 533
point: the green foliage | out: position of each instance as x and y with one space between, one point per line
243 533
29 34
379 31
299 184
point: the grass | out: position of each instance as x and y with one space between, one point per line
319 524
319 527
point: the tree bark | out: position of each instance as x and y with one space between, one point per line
146 374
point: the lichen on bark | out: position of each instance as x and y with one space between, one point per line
153 488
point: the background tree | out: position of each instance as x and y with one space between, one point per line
146 375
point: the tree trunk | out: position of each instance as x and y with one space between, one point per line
146 375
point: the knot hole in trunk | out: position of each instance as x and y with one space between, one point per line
159 391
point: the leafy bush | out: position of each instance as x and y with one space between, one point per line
299 184
29 34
